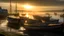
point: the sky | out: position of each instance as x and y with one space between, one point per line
38 2
39 5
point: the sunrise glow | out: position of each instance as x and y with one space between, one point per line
27 6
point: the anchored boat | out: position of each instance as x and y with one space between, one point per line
3 13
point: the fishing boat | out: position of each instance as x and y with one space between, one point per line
37 23
3 13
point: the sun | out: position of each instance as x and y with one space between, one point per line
27 6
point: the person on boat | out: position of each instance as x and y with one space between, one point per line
61 20
55 16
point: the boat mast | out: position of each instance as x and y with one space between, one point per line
16 6
10 7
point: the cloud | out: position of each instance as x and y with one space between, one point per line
39 2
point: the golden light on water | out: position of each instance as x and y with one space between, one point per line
27 15
22 28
